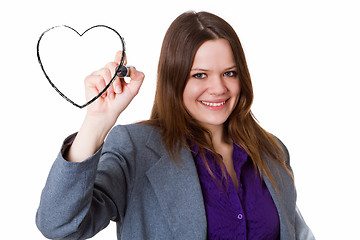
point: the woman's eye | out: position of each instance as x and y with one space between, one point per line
230 74
199 75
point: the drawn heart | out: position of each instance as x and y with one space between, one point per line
69 57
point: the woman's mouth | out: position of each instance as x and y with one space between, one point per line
213 104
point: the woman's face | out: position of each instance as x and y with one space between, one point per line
213 88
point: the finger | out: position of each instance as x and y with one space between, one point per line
118 57
105 73
94 84
116 87
90 86
137 78
132 72
100 85
136 75
111 66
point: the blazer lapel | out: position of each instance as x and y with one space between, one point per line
178 190
284 199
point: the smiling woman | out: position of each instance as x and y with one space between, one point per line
200 167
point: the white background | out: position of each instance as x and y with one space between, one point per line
303 57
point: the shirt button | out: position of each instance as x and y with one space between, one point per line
240 216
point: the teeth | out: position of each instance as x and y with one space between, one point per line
211 104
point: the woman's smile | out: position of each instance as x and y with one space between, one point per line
214 105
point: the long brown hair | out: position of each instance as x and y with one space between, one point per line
180 44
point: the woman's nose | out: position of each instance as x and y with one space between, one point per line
217 86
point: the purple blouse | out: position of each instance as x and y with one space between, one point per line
249 212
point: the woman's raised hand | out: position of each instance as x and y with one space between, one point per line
117 97
102 114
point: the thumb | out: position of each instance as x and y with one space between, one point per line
136 80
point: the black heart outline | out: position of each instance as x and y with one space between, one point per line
107 86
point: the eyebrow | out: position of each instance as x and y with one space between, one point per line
206 70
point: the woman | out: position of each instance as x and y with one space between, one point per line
200 168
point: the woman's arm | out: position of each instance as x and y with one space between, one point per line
66 197
80 197
302 231
102 114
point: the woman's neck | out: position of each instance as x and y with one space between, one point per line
218 137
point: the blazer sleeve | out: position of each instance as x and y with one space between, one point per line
80 199
302 231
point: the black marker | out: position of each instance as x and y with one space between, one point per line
124 71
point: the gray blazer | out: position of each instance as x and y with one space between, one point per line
133 181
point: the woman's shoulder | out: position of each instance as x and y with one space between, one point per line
285 156
137 132
284 148
135 129
135 142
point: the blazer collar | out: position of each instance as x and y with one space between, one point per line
178 190
155 143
